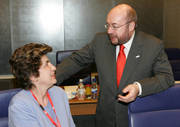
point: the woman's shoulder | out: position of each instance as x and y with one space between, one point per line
21 96
57 93
22 101
57 90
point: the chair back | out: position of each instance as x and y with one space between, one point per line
82 74
174 59
61 55
173 53
5 97
157 110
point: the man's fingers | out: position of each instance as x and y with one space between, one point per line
131 95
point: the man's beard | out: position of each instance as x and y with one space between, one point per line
120 41
123 41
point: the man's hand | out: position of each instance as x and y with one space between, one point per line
131 92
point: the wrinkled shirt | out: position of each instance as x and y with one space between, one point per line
24 111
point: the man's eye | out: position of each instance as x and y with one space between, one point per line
115 26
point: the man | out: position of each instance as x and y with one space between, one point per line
146 69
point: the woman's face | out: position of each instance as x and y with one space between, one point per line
46 72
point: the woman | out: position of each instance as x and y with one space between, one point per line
39 104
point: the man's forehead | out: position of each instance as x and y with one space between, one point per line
115 17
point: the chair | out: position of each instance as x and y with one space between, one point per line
157 110
174 59
61 55
82 74
5 97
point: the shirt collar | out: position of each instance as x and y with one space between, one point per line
127 46
129 43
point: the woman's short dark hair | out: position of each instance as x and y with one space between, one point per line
26 61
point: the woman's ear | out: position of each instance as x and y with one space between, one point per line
33 79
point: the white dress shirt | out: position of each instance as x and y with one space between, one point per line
127 46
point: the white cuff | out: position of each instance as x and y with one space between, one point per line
140 88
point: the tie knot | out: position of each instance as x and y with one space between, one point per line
122 47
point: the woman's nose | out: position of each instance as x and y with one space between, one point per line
52 66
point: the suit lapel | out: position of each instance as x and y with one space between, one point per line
132 61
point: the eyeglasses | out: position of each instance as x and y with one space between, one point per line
115 27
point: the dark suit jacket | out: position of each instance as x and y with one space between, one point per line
147 64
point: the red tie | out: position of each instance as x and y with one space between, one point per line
121 61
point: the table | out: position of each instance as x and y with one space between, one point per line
7 82
6 77
83 107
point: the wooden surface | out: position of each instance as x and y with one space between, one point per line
83 107
76 101
177 82
6 77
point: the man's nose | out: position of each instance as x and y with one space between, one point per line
109 30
